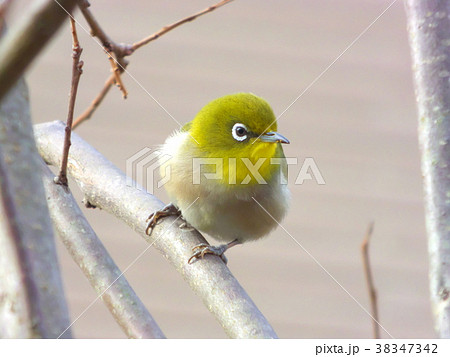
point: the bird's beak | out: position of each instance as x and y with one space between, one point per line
273 137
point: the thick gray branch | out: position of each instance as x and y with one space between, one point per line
105 186
34 272
95 262
429 33
24 40
15 308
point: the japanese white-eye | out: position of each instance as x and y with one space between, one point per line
228 172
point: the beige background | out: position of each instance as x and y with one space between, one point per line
358 122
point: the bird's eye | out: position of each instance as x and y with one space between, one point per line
239 132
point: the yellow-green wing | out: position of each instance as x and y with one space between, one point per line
187 126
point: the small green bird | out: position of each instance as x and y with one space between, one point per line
228 173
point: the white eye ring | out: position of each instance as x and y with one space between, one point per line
239 132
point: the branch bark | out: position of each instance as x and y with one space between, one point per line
107 187
32 302
429 35
77 70
28 37
93 259
15 286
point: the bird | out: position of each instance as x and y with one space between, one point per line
228 173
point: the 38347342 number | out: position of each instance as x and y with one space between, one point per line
409 348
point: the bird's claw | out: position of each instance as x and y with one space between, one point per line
168 210
202 249
185 226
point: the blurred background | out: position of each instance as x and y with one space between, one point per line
358 122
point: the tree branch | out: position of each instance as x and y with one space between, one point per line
27 38
76 74
107 187
115 51
34 255
15 284
116 71
119 49
93 259
95 103
369 280
429 34
122 50
170 27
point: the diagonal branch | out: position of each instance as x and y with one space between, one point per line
170 27
95 103
94 260
121 50
116 71
105 186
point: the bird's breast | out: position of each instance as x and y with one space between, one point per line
230 205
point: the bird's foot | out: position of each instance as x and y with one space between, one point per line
185 226
202 249
168 210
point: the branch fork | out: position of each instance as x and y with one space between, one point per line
118 51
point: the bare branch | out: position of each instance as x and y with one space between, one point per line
105 186
170 27
93 259
122 50
76 74
34 253
115 51
369 280
429 34
116 71
95 103
27 38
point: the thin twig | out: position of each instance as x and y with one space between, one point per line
94 260
170 27
76 73
95 103
369 280
116 71
122 50
115 51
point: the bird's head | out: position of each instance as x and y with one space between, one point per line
241 129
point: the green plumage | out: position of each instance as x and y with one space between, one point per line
239 131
